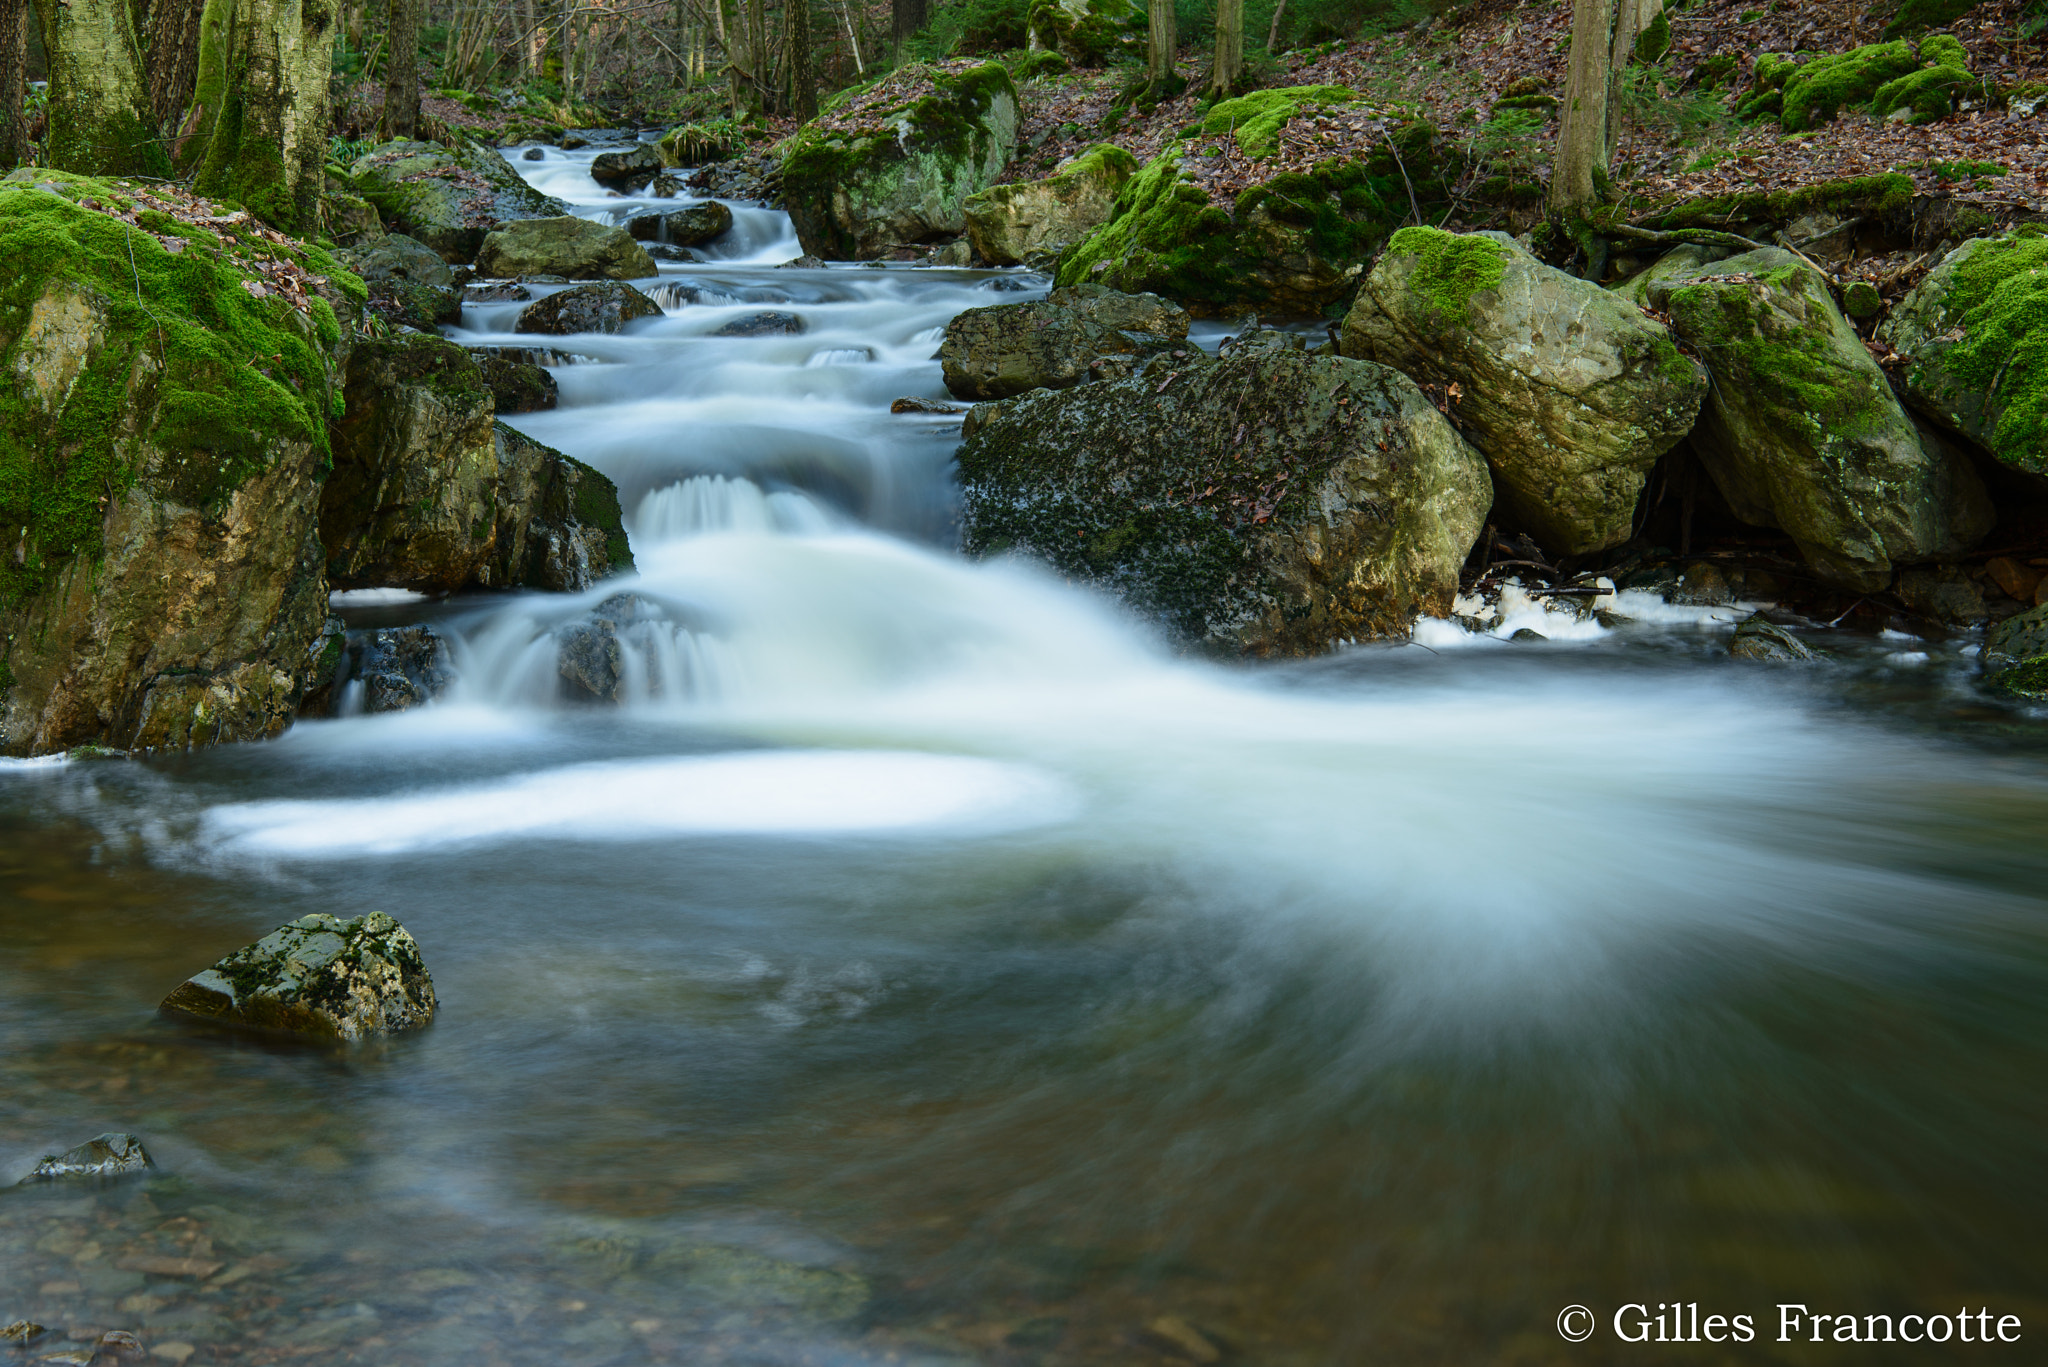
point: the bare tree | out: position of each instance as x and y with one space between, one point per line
1584 137
402 70
803 73
906 17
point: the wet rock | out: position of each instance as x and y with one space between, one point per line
762 325
1007 349
1570 391
400 668
496 292
1760 639
345 217
1942 593
118 1346
1528 634
105 1156
1270 504
448 198
806 262
662 251
21 1333
1802 431
1009 224
516 387
1701 585
915 405
317 976
904 175
533 154
559 525
691 227
605 307
2015 655
629 170
589 660
573 248
409 283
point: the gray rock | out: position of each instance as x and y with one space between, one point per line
1008 224
691 227
1760 639
449 199
589 660
517 387
400 668
108 1155
1571 391
628 170
1803 433
1942 593
1008 349
1271 504
2015 656
317 976
409 283
604 307
762 325
573 248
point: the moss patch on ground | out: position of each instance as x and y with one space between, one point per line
1822 88
1858 196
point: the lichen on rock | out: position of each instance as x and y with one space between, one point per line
318 976
573 248
449 199
1009 223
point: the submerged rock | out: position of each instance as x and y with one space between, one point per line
573 248
864 181
1802 431
1975 338
762 325
318 976
107 1155
606 307
450 199
1269 503
1008 224
1051 343
1758 638
1570 391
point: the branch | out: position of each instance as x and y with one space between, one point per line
1680 237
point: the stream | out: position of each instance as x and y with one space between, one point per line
922 964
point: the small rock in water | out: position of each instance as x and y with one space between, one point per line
913 405
603 307
534 154
108 1155
1759 638
320 976
496 292
1528 634
118 1345
806 262
762 325
400 667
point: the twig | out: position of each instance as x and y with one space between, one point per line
1402 166
1681 237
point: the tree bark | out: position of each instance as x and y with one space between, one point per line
906 17
1162 43
1229 66
100 121
267 147
170 46
402 71
803 71
13 81
1629 17
1273 33
1582 132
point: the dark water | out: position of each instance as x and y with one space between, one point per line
923 967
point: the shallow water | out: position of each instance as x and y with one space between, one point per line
924 965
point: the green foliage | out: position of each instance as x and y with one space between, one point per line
1929 94
1655 40
1824 86
1917 16
1858 196
190 364
2001 296
1108 29
1256 119
1451 268
970 28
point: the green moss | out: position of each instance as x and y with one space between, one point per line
1917 16
1929 94
190 363
1451 268
2028 679
1945 49
1655 40
1859 196
1093 38
2000 299
1256 119
1818 91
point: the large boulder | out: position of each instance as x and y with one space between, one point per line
1571 391
1009 223
693 226
896 165
317 976
605 307
1269 503
1087 32
2015 656
1975 338
450 199
409 283
629 169
166 389
429 492
1051 343
1802 431
573 248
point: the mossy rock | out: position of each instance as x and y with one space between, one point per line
1823 87
409 283
163 429
1008 224
1975 338
1055 342
1802 431
1917 16
1267 503
1087 33
573 248
1571 392
1878 196
450 199
2015 656
320 977
904 175
1255 120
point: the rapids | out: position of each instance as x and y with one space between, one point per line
924 964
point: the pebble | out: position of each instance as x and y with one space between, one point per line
173 1352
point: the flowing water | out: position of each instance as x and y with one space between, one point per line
923 965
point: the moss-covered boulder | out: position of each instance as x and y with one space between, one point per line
1975 338
166 388
1294 243
409 283
318 976
603 307
1802 431
573 248
1933 91
881 173
2015 657
517 386
1008 224
1053 343
1268 503
1087 32
1570 391
450 199
1823 87
429 492
694 144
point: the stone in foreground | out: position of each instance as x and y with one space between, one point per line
1269 503
108 1155
317 976
1007 223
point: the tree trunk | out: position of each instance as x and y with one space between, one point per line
1629 17
757 54
100 120
13 81
1273 33
1582 133
170 46
402 71
906 17
267 148
1229 67
1162 42
803 72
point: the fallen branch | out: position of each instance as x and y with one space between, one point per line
1681 237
